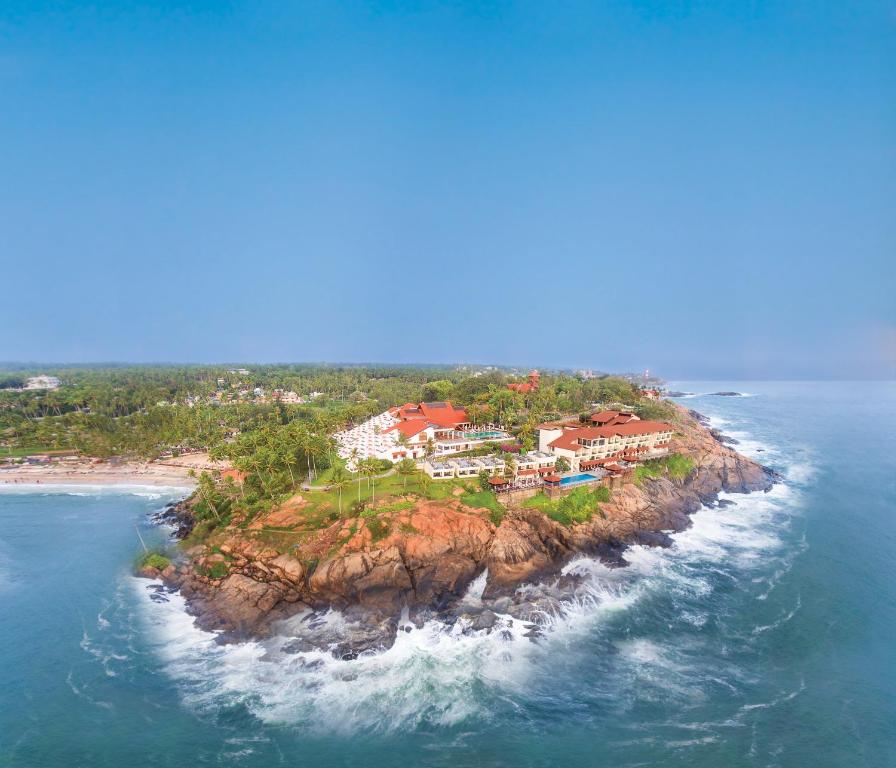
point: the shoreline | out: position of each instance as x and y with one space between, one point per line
85 473
432 553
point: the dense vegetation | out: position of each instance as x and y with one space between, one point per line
148 410
675 466
233 414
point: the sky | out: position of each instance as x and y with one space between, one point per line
707 190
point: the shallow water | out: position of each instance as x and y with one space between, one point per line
764 636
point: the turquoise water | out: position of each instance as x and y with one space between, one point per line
574 479
763 637
483 435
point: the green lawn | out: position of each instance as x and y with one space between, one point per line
485 499
394 493
326 476
677 466
579 506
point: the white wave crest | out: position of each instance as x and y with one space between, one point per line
443 674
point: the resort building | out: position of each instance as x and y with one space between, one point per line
415 431
586 448
611 418
534 465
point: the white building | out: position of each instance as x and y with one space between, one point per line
42 382
588 447
534 463
415 431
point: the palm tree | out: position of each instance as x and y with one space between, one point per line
369 469
338 481
509 466
406 468
356 461
205 488
424 480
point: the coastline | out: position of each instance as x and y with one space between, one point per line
434 552
89 473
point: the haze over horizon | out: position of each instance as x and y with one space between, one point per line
707 192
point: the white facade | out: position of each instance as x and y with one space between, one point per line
444 469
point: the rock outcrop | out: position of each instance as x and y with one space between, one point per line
432 552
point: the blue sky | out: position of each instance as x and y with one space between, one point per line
704 189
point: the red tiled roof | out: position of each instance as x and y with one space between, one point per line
527 471
609 418
570 438
442 414
410 428
552 478
497 481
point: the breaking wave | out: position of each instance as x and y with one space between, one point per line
443 674
82 489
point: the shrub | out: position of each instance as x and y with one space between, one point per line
579 506
217 570
395 506
154 559
647 469
602 494
378 528
679 466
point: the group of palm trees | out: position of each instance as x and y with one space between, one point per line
280 455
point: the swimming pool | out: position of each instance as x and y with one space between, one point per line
575 479
482 435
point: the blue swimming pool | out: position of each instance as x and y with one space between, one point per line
582 478
483 435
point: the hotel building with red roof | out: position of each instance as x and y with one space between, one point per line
614 439
414 430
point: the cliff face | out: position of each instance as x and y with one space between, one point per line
433 551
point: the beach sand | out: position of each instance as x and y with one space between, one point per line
173 472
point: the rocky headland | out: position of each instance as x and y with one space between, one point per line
420 561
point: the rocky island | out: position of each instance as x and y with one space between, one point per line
417 556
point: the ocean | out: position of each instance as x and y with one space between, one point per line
765 636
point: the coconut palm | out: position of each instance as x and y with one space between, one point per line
339 477
406 468
509 466
424 480
370 469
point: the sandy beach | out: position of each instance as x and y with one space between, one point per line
172 472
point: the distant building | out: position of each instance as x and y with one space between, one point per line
526 387
42 382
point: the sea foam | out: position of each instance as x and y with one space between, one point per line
444 674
